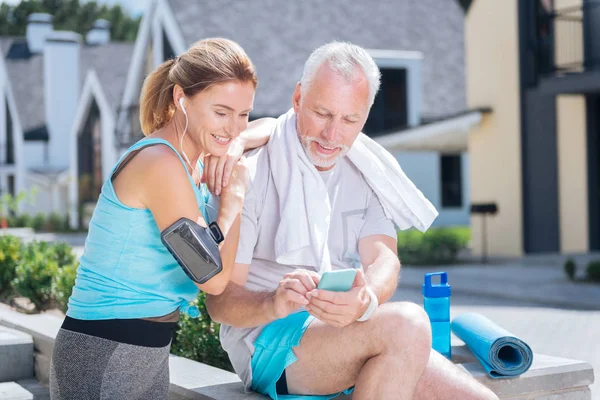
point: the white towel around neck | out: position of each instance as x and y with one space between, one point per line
304 206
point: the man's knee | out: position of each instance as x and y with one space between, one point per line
405 324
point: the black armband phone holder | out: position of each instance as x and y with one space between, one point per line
195 248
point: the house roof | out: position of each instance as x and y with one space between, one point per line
111 63
446 135
279 36
27 81
26 75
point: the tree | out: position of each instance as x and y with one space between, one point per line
71 15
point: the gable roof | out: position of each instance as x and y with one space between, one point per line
279 36
26 75
27 80
111 63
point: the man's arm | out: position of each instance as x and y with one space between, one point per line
379 255
242 308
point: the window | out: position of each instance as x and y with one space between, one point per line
451 176
168 52
11 185
90 157
10 144
390 110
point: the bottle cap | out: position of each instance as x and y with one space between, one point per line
441 290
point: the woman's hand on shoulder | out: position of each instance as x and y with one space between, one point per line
218 170
240 179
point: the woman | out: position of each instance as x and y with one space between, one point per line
115 340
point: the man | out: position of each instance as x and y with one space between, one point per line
282 334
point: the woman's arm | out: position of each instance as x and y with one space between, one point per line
162 185
217 170
258 133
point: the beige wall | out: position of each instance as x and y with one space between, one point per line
492 72
572 173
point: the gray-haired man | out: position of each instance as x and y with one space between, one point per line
282 334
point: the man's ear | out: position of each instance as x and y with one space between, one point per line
296 98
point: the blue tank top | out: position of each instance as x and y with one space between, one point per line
125 270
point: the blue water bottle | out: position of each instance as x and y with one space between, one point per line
436 299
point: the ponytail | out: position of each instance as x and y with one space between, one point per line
156 100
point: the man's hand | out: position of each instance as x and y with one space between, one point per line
217 170
340 309
292 290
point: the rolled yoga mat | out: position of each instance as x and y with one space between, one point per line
501 354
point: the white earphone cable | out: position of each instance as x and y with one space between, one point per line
183 135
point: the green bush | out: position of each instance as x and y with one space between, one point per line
10 254
436 246
198 339
62 284
570 269
593 271
20 221
63 254
34 273
38 222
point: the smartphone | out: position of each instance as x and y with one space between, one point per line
337 281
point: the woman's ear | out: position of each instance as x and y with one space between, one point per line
178 95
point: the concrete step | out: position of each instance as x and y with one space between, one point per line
14 391
549 378
16 353
39 391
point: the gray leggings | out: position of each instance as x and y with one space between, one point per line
85 367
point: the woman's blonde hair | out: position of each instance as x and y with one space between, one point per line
207 62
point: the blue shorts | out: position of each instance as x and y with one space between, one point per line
273 354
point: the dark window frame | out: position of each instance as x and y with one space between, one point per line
451 181
10 137
390 110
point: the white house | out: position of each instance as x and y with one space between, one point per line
41 80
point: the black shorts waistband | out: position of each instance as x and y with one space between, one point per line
138 332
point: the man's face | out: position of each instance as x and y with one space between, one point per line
330 115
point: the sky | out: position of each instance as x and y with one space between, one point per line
135 7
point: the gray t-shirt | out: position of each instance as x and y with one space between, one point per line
355 213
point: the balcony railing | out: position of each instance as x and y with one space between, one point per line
568 38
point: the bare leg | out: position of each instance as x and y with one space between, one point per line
444 380
383 358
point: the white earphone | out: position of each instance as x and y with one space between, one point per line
184 132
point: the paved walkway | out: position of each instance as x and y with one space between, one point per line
544 284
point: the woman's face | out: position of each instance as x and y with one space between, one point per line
218 115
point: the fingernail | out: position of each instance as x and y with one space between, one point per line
314 293
309 295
